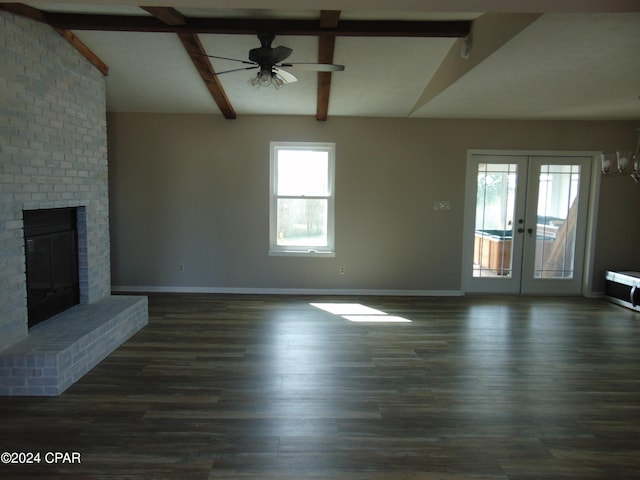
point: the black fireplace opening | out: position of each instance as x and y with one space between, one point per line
51 246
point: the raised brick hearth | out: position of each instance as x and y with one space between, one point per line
59 351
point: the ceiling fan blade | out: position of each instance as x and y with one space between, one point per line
286 76
314 67
225 58
236 70
279 54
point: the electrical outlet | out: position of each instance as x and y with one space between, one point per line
342 270
181 267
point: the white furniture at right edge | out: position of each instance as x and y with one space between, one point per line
623 288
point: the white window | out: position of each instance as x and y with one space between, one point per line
302 199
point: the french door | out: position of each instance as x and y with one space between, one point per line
526 223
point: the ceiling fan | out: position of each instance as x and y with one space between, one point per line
269 61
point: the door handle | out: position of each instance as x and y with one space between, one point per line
529 231
520 230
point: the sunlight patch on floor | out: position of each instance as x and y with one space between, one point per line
356 312
376 318
347 309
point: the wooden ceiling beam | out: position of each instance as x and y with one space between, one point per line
198 56
196 52
24 11
84 50
167 15
327 40
39 16
246 26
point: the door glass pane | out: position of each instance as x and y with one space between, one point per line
495 206
556 223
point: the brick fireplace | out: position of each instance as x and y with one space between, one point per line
53 147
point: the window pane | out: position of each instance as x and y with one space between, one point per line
303 172
302 222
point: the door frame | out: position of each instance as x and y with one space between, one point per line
469 213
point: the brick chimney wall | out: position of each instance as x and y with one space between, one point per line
53 153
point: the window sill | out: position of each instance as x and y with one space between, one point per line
301 253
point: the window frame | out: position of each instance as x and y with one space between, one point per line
301 250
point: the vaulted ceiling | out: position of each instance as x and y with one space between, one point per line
543 59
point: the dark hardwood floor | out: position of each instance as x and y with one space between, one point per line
270 387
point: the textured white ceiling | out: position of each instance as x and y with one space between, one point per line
563 65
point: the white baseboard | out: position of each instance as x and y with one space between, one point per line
288 291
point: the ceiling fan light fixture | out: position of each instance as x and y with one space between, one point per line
264 78
278 81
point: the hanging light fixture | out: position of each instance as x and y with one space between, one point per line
622 160
636 161
607 161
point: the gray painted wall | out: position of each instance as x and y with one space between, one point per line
193 190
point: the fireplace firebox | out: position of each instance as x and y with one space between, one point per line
51 246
